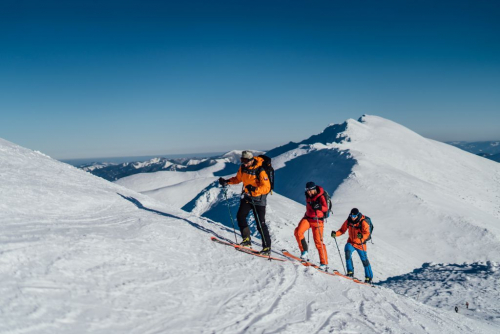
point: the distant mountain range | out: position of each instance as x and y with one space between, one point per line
485 149
114 171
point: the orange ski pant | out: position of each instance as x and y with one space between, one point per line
317 230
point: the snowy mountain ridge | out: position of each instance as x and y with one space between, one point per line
79 254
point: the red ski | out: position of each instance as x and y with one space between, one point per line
247 250
310 264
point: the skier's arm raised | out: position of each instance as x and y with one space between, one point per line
342 230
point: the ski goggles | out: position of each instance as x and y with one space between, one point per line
354 216
309 189
245 160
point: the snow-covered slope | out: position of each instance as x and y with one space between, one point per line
82 255
174 188
429 201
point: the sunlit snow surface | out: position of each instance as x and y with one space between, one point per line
454 285
82 255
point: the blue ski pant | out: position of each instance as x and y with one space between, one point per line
349 249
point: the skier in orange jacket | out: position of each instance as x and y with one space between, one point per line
256 187
316 207
359 231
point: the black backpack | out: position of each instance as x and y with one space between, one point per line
268 168
328 202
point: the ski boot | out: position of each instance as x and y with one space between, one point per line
323 267
246 243
265 251
350 274
369 280
304 256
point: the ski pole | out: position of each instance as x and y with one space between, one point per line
341 260
230 215
256 216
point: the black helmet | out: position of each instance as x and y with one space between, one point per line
310 185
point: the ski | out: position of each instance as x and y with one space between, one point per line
310 264
246 249
234 245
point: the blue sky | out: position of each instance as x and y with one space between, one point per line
83 79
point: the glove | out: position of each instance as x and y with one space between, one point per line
250 188
246 197
222 182
334 234
360 236
316 206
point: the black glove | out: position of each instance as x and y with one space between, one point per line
316 206
334 234
360 236
222 182
250 188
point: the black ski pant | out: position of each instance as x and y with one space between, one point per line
241 216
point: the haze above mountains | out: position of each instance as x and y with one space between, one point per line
81 254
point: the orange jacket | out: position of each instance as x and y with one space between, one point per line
361 227
249 176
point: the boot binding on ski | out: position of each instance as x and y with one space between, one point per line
246 243
265 251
